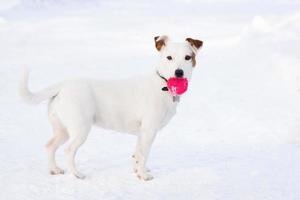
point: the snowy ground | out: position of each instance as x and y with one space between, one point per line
237 132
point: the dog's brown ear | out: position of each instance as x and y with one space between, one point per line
160 41
195 43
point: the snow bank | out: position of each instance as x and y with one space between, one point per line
245 88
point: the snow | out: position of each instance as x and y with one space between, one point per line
237 131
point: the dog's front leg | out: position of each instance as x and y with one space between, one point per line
145 140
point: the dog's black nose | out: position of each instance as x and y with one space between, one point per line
179 73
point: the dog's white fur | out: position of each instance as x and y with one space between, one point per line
136 105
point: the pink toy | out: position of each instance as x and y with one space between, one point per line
177 86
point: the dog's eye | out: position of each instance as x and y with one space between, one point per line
188 57
169 57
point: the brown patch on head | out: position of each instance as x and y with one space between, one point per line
193 59
160 41
195 43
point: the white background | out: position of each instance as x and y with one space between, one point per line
237 131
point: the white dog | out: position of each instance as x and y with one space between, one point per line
75 105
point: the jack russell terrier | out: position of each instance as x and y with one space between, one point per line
76 105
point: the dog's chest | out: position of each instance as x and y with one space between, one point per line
169 112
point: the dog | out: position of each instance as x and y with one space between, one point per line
76 105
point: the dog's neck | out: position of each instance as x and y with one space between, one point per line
164 89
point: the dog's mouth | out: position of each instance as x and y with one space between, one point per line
175 85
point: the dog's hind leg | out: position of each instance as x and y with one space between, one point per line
60 137
78 138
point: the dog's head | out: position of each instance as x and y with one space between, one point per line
177 59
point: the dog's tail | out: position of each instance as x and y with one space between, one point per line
38 97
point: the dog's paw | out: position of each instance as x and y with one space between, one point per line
79 175
56 171
144 176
